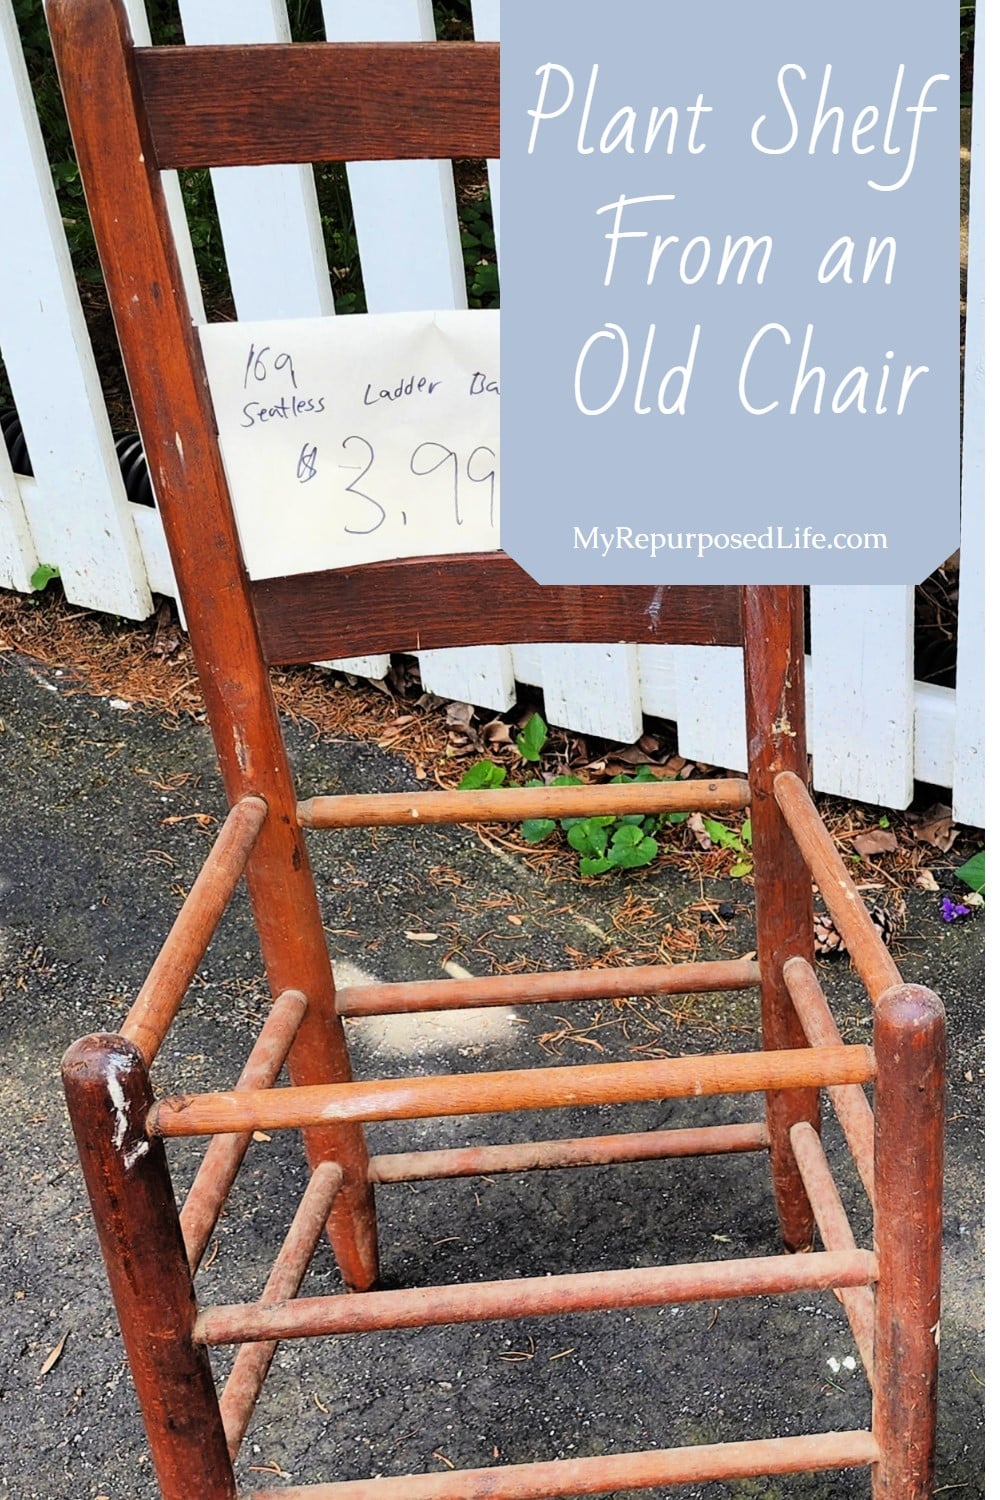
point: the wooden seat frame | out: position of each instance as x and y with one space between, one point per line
163 108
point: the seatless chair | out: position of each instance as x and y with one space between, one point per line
136 112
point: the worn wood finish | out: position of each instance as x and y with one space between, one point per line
421 603
602 1476
849 1101
909 1037
526 1088
108 1094
871 957
254 1360
559 986
835 1232
776 741
535 1296
225 1153
584 1151
223 106
514 804
167 379
164 988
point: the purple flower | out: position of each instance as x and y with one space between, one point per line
951 911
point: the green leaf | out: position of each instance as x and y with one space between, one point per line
677 817
589 837
631 856
485 773
532 737
43 575
627 836
537 829
973 872
721 835
741 868
594 866
746 833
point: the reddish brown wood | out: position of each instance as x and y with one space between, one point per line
601 1476
536 1296
835 1232
776 728
513 804
164 988
167 380
527 1088
909 1165
585 1151
561 986
254 1360
222 106
225 1153
847 908
108 1094
415 604
850 1103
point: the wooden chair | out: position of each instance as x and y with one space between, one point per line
169 107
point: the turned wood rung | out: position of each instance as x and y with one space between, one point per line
602 1475
849 1100
539 989
224 1157
253 1361
864 943
534 1296
836 1232
585 1151
423 1098
514 804
176 964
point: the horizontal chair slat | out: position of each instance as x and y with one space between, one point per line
514 804
492 1093
534 1296
176 964
601 1476
557 987
415 604
864 943
584 1151
219 106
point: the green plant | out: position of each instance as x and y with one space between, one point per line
740 843
973 873
479 248
43 575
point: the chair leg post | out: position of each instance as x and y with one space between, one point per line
775 697
909 1036
108 1094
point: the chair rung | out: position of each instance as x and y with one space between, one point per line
497 1093
849 1101
600 1476
534 1296
514 804
253 1361
539 989
585 1151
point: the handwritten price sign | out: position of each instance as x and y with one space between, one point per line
355 439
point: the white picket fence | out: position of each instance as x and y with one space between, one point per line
873 729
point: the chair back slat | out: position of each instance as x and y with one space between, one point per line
220 106
475 599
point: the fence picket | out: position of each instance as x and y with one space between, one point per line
969 781
51 368
18 557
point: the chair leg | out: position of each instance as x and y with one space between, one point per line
909 1036
108 1093
775 697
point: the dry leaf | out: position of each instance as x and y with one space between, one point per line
697 827
876 841
924 881
937 828
421 937
261 1135
54 1356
